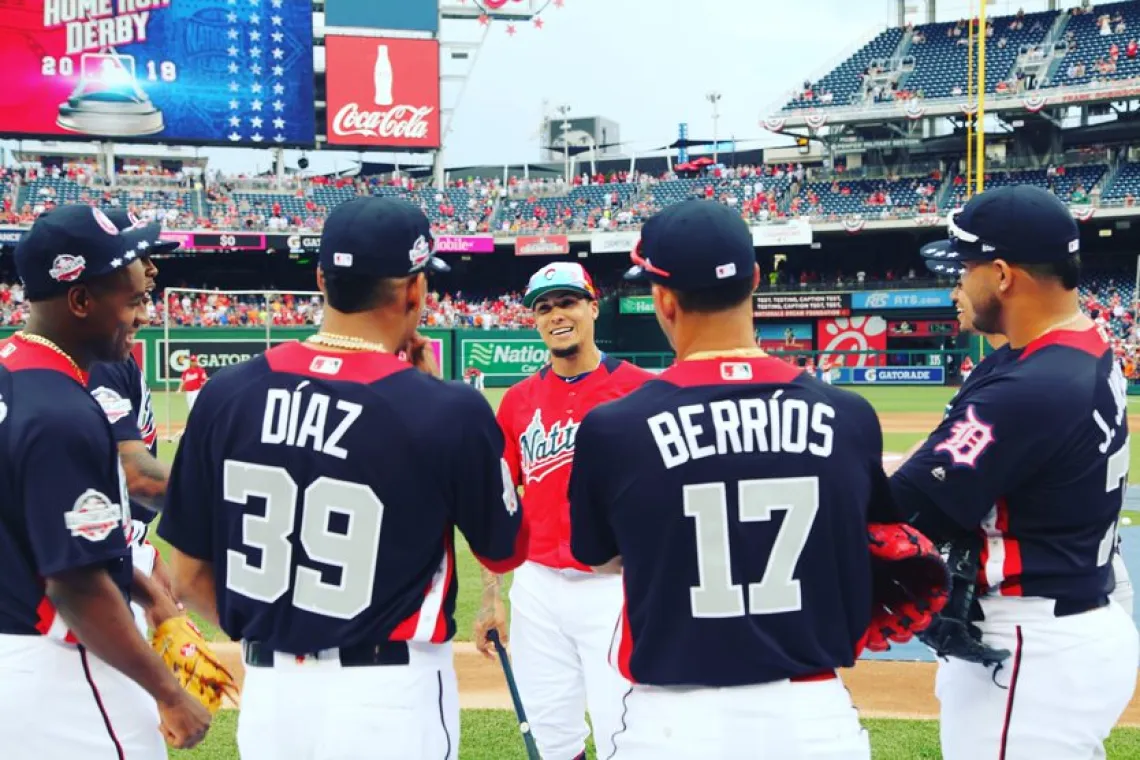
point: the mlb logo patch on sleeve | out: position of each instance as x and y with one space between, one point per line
93 517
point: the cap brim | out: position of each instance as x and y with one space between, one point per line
436 264
537 293
941 257
636 272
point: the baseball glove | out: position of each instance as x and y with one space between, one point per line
181 646
910 583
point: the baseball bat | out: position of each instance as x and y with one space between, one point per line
520 713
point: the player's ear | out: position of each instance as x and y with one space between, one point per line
416 293
755 277
593 309
1003 275
664 302
321 282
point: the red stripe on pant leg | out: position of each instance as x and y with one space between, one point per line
99 702
1011 565
1010 697
983 558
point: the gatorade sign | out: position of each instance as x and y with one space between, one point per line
505 359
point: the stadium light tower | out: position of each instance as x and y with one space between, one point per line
714 98
564 111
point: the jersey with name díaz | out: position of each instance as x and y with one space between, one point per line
540 418
737 493
1033 455
64 498
325 487
122 392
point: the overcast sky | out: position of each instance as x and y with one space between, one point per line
646 64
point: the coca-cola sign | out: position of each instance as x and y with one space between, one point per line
382 92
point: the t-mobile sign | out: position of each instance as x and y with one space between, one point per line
382 92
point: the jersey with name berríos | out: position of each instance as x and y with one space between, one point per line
324 488
539 418
1033 455
737 493
121 390
64 499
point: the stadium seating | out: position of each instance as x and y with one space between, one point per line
1088 45
941 62
899 197
1125 184
844 82
1062 184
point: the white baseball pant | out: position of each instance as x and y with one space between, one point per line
562 623
319 710
1122 593
60 702
191 397
143 556
1063 688
772 721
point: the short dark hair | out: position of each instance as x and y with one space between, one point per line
722 297
354 293
1068 271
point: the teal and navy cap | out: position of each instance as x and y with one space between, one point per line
561 275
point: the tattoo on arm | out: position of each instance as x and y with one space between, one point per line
146 476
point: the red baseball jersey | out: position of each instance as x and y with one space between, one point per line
540 418
193 379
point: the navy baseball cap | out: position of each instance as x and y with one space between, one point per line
1021 224
694 245
124 220
75 243
380 237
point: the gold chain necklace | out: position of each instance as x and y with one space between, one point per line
42 341
728 353
349 342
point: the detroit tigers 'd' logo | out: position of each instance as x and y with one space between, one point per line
543 450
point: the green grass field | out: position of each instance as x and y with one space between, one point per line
493 734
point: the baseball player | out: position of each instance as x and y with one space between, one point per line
1027 493
311 506
733 492
193 379
76 679
562 614
122 392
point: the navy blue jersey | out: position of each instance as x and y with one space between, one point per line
737 493
1033 454
63 504
122 392
325 487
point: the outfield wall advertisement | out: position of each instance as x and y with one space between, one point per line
503 361
890 375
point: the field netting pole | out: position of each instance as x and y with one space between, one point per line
162 361
970 99
980 150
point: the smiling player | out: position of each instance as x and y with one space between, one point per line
563 615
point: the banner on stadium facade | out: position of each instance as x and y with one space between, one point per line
852 341
922 328
217 241
901 299
10 235
159 71
796 337
614 242
889 375
464 244
382 92
541 245
310 243
635 305
405 15
790 232
793 305
502 359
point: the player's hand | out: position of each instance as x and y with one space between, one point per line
492 616
184 721
421 356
